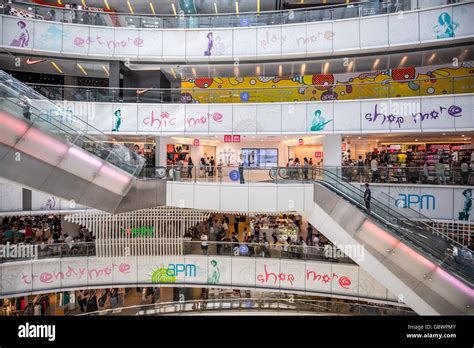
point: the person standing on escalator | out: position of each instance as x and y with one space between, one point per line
367 197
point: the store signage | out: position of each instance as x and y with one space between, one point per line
426 202
440 147
343 147
228 138
196 142
139 231
318 154
17 251
300 141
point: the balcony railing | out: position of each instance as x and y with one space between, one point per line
249 304
368 90
243 19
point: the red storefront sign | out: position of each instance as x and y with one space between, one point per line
196 142
300 141
318 154
228 138
343 147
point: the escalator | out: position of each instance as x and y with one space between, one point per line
429 271
49 149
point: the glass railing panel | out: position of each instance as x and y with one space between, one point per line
329 12
18 97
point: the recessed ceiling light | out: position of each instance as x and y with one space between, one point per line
444 133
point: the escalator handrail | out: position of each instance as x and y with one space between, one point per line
393 212
433 256
15 93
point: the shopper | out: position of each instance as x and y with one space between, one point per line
190 168
375 169
241 172
204 245
440 175
305 168
202 167
309 235
464 172
219 168
367 197
212 164
360 168
426 173
26 107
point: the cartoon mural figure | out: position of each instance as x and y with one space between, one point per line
22 37
210 43
318 123
160 276
215 273
323 82
49 204
445 27
466 212
405 75
118 120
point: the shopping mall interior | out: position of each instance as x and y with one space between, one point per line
236 158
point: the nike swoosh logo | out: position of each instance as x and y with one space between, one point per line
141 91
34 61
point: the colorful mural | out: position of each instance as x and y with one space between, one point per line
439 79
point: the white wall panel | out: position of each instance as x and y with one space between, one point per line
152 43
174 43
197 118
438 113
47 36
102 41
127 42
207 197
269 118
245 118
346 35
256 203
403 28
244 43
77 39
462 15
269 41
348 116
319 37
373 31
293 117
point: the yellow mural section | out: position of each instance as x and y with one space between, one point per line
402 82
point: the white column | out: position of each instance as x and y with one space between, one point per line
332 150
160 151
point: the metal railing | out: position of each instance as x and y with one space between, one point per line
190 247
21 101
272 174
242 19
249 304
366 90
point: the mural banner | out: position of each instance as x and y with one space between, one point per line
449 113
272 274
303 39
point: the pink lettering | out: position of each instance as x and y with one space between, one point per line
58 275
46 277
24 277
